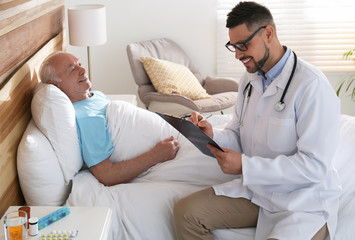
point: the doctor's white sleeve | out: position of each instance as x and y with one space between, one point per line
229 137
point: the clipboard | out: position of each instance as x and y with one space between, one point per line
193 133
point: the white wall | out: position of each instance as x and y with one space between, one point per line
190 23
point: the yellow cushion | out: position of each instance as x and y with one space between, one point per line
172 78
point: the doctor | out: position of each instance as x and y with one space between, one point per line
279 144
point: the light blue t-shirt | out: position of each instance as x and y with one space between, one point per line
95 140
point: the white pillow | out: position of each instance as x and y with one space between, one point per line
41 178
54 115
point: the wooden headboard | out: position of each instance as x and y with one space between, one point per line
29 31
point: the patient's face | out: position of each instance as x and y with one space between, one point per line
75 82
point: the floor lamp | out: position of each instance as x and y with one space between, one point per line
87 27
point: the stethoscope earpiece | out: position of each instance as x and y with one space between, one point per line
279 106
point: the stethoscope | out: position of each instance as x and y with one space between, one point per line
279 106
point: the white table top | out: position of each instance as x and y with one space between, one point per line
91 222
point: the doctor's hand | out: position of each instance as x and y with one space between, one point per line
204 125
229 161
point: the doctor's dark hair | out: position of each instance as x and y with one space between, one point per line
253 14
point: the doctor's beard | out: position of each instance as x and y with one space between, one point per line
260 64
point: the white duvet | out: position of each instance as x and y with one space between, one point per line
142 209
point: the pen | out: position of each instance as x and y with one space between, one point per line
205 118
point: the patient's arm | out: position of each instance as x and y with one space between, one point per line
109 173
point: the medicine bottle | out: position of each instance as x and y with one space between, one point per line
33 226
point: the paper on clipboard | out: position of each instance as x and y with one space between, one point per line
194 134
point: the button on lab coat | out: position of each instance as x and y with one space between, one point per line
287 156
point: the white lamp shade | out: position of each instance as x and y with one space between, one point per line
87 25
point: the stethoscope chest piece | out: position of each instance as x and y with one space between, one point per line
279 106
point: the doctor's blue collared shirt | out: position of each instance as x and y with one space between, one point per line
274 71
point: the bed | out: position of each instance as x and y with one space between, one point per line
40 162
51 170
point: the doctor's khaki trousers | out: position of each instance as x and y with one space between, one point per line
209 212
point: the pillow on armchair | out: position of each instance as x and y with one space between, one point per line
222 98
172 78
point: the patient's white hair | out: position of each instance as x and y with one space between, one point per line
47 71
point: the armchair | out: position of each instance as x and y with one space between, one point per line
223 91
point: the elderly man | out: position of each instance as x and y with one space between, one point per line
66 72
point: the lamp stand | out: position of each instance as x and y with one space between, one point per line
89 71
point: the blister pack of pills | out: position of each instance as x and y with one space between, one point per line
60 235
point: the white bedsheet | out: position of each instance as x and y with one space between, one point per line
143 208
146 202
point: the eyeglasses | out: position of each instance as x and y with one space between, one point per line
242 46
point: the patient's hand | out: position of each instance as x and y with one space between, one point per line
166 149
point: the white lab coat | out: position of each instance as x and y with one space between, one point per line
287 156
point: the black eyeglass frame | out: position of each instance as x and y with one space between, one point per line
242 46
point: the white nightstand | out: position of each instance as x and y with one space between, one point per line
91 222
124 97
